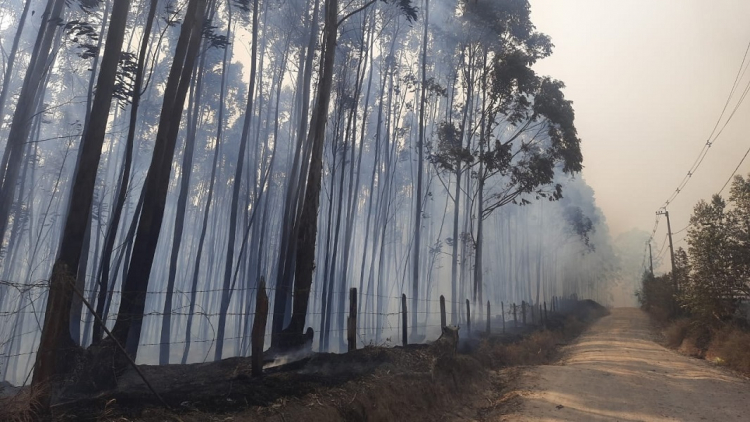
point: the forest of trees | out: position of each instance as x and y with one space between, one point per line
710 280
160 157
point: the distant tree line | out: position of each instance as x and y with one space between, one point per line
712 278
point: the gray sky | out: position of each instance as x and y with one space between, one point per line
649 79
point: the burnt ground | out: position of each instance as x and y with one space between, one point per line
416 383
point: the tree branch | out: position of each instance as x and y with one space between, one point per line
354 12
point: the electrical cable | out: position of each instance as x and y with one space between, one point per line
714 134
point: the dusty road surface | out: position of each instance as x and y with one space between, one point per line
616 372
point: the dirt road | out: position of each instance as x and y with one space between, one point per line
616 372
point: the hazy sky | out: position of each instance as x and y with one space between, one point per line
649 79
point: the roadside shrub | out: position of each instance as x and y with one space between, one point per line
689 336
573 327
657 296
730 346
676 332
536 349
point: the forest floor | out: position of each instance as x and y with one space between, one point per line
417 383
617 371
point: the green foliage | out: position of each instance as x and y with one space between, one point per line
449 151
720 269
526 135
581 224
714 274
657 295
409 11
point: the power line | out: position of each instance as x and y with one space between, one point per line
663 247
714 134
683 229
712 137
735 171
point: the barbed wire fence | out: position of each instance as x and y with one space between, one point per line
380 321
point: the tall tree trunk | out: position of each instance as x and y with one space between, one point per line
484 133
226 293
130 317
76 309
420 182
52 357
209 197
308 219
324 310
122 188
8 76
290 229
187 169
22 118
353 184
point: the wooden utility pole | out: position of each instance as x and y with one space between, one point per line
665 213
650 258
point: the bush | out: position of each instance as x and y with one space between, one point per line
536 349
676 332
730 346
657 296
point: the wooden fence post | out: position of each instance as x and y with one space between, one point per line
351 332
523 312
258 334
488 317
515 316
502 313
468 316
545 314
442 312
533 317
403 319
541 314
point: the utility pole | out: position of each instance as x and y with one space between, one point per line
665 213
650 258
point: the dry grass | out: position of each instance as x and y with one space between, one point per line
573 327
540 347
727 346
536 349
730 346
21 407
676 332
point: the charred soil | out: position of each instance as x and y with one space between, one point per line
415 383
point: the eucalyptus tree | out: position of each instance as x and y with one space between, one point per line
228 285
193 116
130 316
11 61
103 275
307 220
220 122
525 125
56 341
418 209
28 97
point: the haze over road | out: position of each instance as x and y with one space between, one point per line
616 372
